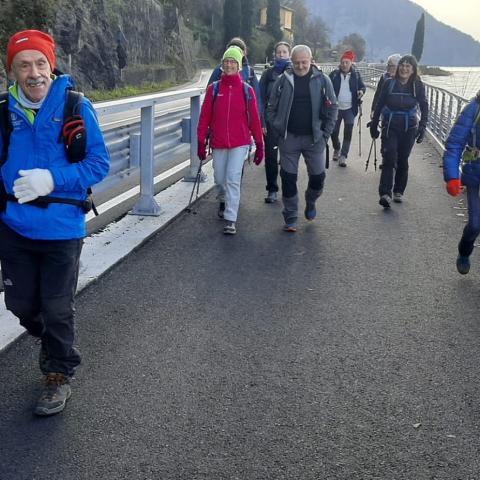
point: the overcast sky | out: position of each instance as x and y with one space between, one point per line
461 14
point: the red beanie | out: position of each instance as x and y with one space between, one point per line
348 55
31 40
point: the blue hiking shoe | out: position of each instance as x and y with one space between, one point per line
290 227
463 264
310 211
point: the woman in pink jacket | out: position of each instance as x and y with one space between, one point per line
229 118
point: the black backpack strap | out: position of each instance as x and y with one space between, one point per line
72 104
70 109
5 126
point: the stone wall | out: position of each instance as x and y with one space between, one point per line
87 33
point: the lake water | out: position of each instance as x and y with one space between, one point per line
464 81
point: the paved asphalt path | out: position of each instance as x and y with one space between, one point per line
349 350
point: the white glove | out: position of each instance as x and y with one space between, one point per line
32 184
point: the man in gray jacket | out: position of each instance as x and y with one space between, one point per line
302 111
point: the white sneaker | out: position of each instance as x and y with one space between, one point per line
397 197
336 154
342 161
229 228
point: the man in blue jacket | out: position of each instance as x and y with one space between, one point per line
42 219
349 89
462 148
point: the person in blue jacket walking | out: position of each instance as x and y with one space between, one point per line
463 148
42 219
246 71
349 89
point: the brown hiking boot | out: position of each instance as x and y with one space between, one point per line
54 395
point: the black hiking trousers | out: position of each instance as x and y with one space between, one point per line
396 148
271 160
40 278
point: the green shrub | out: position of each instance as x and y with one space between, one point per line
128 91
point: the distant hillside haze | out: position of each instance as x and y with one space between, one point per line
388 27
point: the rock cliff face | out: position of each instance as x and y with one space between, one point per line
88 33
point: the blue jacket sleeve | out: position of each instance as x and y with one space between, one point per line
94 167
457 140
423 104
216 74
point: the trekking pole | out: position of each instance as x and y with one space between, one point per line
370 154
196 185
360 128
375 153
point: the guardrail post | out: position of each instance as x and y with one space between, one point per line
194 161
146 205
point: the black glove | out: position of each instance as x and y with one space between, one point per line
373 126
420 134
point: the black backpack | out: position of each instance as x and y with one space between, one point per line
73 136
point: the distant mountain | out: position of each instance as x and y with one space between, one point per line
388 27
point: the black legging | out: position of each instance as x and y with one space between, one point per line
271 161
396 148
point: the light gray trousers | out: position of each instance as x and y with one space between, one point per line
227 168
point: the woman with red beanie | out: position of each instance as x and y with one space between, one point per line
463 147
229 116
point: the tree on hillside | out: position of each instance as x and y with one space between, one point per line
354 42
273 19
247 19
315 35
232 14
418 38
300 19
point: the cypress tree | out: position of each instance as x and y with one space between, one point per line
232 13
418 38
273 19
247 19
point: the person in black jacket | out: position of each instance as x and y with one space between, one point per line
269 76
349 89
392 62
398 101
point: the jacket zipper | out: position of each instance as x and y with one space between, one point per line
228 114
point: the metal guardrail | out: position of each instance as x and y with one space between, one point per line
444 106
135 145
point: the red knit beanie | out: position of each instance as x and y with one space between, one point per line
348 55
31 40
